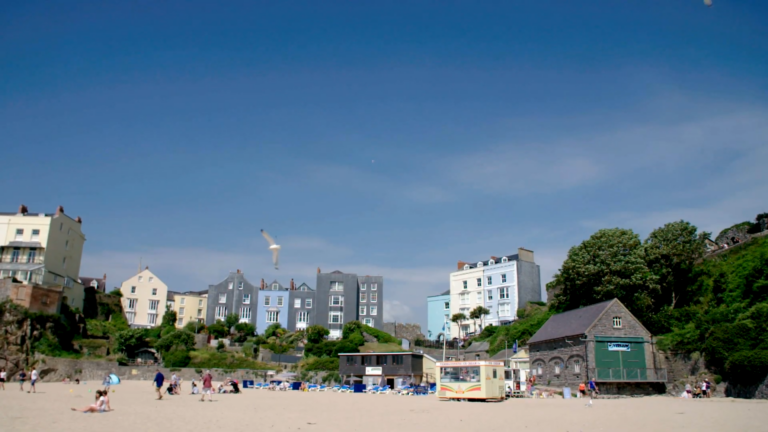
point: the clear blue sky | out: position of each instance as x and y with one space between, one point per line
391 139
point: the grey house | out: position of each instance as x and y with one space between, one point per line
232 295
301 303
339 300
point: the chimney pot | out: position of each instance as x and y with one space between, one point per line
59 210
105 277
78 220
23 209
318 270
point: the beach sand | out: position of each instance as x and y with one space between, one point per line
135 409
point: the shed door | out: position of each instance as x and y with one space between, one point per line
620 361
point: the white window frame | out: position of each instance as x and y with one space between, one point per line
447 305
154 291
181 310
504 259
246 299
182 301
35 235
245 314
267 301
130 316
490 295
479 297
200 303
131 304
141 278
133 290
374 297
368 322
464 298
19 234
222 297
336 299
617 322
373 310
273 317
479 282
505 309
374 286
297 303
180 321
240 285
362 310
363 298
331 315
308 303
220 312
465 284
280 301
151 279
275 287
491 262
337 286
576 366
503 278
302 317
504 293
152 319
489 280
230 285
362 287
156 303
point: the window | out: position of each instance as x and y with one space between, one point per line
368 322
130 316
479 297
505 309
465 284
616 322
466 267
558 365
61 226
230 285
362 310
302 317
479 282
447 305
152 319
363 298
489 280
199 313
367 360
55 278
494 373
381 360
69 231
308 303
504 293
181 311
153 305
351 360
154 291
182 300
267 301
19 234
374 310
337 286
141 278
275 287
151 278
245 314
374 286
362 287
334 318
480 264
240 285
200 303
35 234
577 366
133 290
180 322
539 368
246 299
280 302
336 301
504 259
69 282
223 298
491 262
221 312
490 295
464 298
15 255
503 278
397 359
64 262
296 303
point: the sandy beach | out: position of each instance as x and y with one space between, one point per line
135 408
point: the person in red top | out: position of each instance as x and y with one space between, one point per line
207 387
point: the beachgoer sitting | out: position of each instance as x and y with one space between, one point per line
195 390
98 406
235 386
77 381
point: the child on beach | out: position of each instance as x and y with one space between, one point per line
3 375
99 406
35 376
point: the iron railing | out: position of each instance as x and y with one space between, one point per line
21 259
629 375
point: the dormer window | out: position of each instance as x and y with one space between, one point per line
491 262
275 287
480 264
504 259
466 266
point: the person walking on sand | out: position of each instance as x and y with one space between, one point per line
158 383
3 375
34 377
207 387
593 389
22 378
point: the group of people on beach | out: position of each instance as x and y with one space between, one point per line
22 376
175 385
702 390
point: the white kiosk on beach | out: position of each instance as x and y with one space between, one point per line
480 380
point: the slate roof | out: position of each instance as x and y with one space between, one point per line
572 323
478 347
447 292
86 281
514 257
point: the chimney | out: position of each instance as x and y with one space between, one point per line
23 209
238 271
59 210
495 259
105 278
263 285
524 254
78 220
460 265
318 270
293 286
146 268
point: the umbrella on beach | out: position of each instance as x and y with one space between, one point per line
383 381
354 378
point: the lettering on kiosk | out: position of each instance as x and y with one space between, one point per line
470 363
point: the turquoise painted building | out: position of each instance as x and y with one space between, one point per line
438 313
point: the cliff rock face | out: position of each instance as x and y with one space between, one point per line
411 332
737 231
14 337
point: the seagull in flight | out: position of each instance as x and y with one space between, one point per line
273 246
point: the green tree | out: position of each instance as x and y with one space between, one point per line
195 327
316 334
478 313
244 331
274 330
671 253
610 264
457 319
129 341
176 358
218 330
116 292
231 320
177 340
169 318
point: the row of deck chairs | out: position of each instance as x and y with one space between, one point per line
404 391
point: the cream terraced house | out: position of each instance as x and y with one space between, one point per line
43 249
144 299
190 307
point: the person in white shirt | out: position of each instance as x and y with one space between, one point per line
99 406
34 377
3 376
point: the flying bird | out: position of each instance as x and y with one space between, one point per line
273 246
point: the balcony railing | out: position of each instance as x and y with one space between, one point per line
21 259
629 375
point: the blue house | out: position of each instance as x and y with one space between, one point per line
272 307
438 313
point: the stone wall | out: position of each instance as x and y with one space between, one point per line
569 353
404 331
630 327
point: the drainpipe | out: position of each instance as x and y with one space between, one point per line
586 356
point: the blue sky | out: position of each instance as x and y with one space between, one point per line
387 138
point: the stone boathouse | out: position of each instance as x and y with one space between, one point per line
603 341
